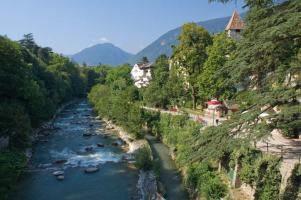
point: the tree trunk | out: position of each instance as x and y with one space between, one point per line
193 98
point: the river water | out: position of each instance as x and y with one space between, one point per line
114 180
169 174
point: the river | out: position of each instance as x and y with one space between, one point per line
169 175
114 180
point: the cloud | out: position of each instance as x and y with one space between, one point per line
103 39
98 40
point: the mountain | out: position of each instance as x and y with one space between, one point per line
163 44
105 53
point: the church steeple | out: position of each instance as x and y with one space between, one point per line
235 26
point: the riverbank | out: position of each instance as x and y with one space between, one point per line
15 162
147 184
46 126
133 144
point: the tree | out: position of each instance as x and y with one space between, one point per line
144 59
156 93
250 3
28 42
267 63
213 80
144 159
190 55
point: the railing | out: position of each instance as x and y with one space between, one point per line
287 151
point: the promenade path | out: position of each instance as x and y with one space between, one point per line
288 149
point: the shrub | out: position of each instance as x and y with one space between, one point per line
11 165
293 187
202 176
268 178
144 159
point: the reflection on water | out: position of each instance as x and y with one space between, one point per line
67 149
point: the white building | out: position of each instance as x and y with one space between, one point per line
141 74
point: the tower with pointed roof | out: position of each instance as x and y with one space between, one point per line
235 26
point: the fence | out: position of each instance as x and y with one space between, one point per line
284 151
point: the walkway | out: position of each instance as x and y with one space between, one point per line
288 149
276 144
206 119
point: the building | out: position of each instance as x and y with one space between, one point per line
141 74
215 108
235 26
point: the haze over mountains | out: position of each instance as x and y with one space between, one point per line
109 54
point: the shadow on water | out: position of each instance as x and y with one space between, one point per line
169 175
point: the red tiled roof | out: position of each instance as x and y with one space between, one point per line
235 22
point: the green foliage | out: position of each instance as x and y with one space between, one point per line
262 172
267 67
250 3
177 132
11 166
119 73
34 81
116 100
190 55
293 184
205 179
144 159
247 173
268 179
213 80
15 123
156 93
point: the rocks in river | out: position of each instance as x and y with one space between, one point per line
60 177
109 127
60 161
100 145
91 125
90 148
58 173
105 137
45 165
87 134
91 169
98 117
115 144
118 142
44 141
127 157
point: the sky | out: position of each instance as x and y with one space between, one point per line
68 26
